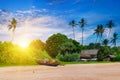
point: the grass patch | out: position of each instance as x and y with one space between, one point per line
85 62
8 65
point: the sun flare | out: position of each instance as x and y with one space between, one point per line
23 44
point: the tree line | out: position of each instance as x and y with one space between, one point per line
100 29
59 44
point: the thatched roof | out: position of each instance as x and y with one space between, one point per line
110 56
89 53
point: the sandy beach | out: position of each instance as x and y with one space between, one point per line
110 71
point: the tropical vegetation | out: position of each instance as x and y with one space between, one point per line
59 46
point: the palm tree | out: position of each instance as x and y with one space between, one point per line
82 24
99 32
110 24
105 42
73 24
12 26
114 39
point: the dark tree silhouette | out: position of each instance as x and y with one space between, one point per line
110 24
114 39
105 42
82 23
99 32
73 24
12 26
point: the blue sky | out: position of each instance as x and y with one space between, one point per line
39 19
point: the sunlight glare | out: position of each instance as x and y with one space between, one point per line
23 44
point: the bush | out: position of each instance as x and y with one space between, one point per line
37 44
13 54
67 47
68 57
102 53
54 42
60 57
117 58
116 51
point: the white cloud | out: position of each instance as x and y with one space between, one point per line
39 27
30 11
29 28
54 2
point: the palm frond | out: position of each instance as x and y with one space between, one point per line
10 27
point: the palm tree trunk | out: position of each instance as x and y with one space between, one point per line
109 34
82 35
99 39
73 33
96 39
115 43
12 37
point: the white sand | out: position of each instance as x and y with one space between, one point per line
67 72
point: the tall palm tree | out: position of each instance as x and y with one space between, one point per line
105 42
73 24
99 32
96 31
110 24
114 39
82 23
12 26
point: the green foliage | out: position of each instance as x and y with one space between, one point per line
39 54
117 58
105 42
68 46
54 42
78 46
91 46
60 57
114 39
99 32
13 54
37 44
103 52
68 57
116 51
94 46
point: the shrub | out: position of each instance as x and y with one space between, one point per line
37 44
13 54
60 57
116 51
117 58
68 57
102 53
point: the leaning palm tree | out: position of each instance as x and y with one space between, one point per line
105 42
82 23
114 39
110 24
12 26
73 24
